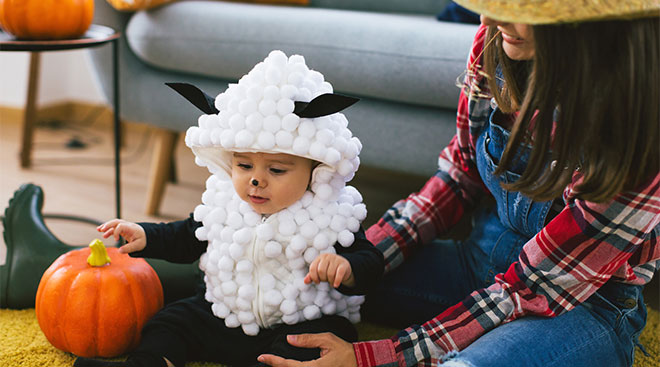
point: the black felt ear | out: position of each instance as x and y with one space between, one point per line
323 105
195 96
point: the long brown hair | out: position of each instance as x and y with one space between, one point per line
601 82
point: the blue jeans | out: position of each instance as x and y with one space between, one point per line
602 331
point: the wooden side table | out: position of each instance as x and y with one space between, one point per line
96 35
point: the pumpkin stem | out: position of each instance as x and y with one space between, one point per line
99 255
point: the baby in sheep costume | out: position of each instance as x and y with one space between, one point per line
278 233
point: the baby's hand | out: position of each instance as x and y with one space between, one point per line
331 268
136 239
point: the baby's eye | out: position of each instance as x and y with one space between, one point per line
244 165
277 171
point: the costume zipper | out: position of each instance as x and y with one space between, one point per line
257 304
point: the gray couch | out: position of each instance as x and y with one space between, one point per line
393 54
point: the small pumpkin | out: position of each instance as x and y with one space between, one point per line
94 303
46 19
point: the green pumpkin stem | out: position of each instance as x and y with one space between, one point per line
99 256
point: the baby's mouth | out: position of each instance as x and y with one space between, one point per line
257 199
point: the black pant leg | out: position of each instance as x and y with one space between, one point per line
337 325
187 330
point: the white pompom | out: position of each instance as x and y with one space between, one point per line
226 264
266 140
273 75
301 217
295 78
277 58
291 319
265 231
228 139
307 129
287 227
312 312
247 106
251 329
297 244
288 91
354 317
220 310
321 242
236 251
237 122
273 298
267 107
301 146
338 222
290 122
201 233
229 288
322 221
200 212
227 234
309 229
272 249
360 211
345 209
345 167
272 93
255 93
216 136
290 292
321 298
345 238
244 266
272 123
251 218
247 292
242 236
285 106
205 138
332 156
244 139
231 321
310 254
307 199
288 306
235 220
283 139
297 263
324 191
254 121
352 224
243 278
317 150
329 308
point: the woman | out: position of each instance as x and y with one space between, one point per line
559 128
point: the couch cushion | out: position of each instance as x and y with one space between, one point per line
389 6
405 58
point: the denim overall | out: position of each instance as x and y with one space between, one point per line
600 332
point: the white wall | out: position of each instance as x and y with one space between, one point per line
64 76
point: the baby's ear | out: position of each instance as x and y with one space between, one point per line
323 105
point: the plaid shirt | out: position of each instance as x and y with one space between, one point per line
583 247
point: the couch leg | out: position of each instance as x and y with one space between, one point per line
161 166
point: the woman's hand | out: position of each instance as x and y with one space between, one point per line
136 239
334 352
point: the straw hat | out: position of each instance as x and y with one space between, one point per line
562 11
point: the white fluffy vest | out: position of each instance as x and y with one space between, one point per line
254 267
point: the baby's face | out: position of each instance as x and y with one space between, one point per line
270 182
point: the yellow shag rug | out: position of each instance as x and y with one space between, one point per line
23 344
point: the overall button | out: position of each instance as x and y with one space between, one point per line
630 303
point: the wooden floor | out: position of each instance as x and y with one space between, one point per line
80 182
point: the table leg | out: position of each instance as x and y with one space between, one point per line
117 124
30 116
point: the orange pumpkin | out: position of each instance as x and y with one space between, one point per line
97 311
46 19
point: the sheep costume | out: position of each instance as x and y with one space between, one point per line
254 266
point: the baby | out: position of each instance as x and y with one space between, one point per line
278 233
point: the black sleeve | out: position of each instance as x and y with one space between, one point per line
174 242
367 264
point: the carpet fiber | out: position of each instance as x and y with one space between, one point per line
23 344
